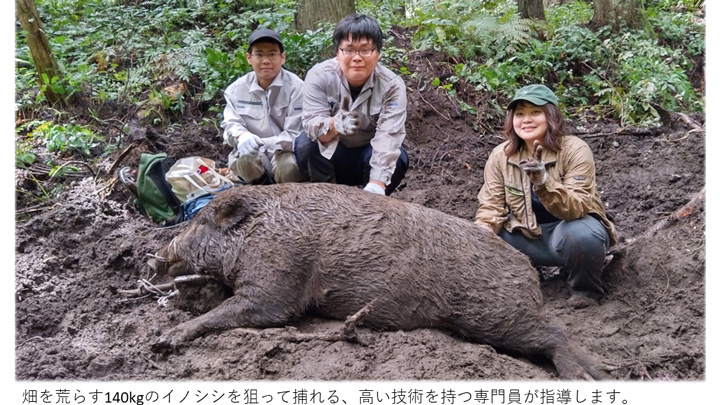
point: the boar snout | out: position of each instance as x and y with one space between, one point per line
162 266
158 265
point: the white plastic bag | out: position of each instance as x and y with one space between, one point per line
195 176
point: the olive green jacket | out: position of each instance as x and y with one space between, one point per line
569 191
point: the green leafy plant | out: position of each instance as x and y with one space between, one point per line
68 137
622 75
24 156
468 28
305 50
171 103
119 54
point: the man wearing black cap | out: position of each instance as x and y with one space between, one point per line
263 115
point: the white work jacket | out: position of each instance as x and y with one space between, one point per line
274 114
382 104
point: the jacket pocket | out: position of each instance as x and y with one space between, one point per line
515 200
514 191
279 113
250 110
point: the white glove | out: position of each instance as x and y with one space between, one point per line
250 146
374 188
347 122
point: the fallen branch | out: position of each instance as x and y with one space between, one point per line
35 208
690 121
433 107
687 209
350 331
653 131
682 212
682 138
152 363
40 338
447 136
75 162
348 334
107 185
38 169
628 131
121 157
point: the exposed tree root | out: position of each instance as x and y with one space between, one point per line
696 202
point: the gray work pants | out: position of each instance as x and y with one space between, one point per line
579 246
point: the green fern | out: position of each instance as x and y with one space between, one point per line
473 28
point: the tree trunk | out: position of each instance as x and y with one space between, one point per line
531 9
311 12
42 56
614 12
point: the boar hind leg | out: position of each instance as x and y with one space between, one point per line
552 343
593 366
570 362
234 312
538 337
532 337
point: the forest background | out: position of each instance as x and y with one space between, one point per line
97 67
117 72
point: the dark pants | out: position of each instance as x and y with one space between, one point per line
579 246
350 166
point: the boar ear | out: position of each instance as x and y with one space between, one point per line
230 213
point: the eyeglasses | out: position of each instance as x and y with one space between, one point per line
361 52
269 56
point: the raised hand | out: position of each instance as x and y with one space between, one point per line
346 122
535 167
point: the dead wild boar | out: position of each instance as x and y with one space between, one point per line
287 249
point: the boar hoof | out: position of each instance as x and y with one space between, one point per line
169 341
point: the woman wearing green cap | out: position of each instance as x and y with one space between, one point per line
540 194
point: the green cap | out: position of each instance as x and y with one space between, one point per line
537 94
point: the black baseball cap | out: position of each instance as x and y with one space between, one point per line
266 34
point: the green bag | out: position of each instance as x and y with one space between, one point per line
155 197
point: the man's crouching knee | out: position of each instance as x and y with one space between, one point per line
285 168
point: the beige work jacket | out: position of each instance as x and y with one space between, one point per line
569 191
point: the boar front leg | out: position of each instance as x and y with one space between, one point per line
236 311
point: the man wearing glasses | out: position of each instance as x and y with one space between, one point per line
263 115
354 112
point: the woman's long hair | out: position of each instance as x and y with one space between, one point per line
555 131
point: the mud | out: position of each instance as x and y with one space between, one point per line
73 257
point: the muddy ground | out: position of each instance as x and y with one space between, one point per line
73 257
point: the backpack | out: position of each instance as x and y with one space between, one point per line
155 197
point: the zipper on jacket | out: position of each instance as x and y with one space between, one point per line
521 192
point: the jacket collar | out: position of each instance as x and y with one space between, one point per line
277 82
548 156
